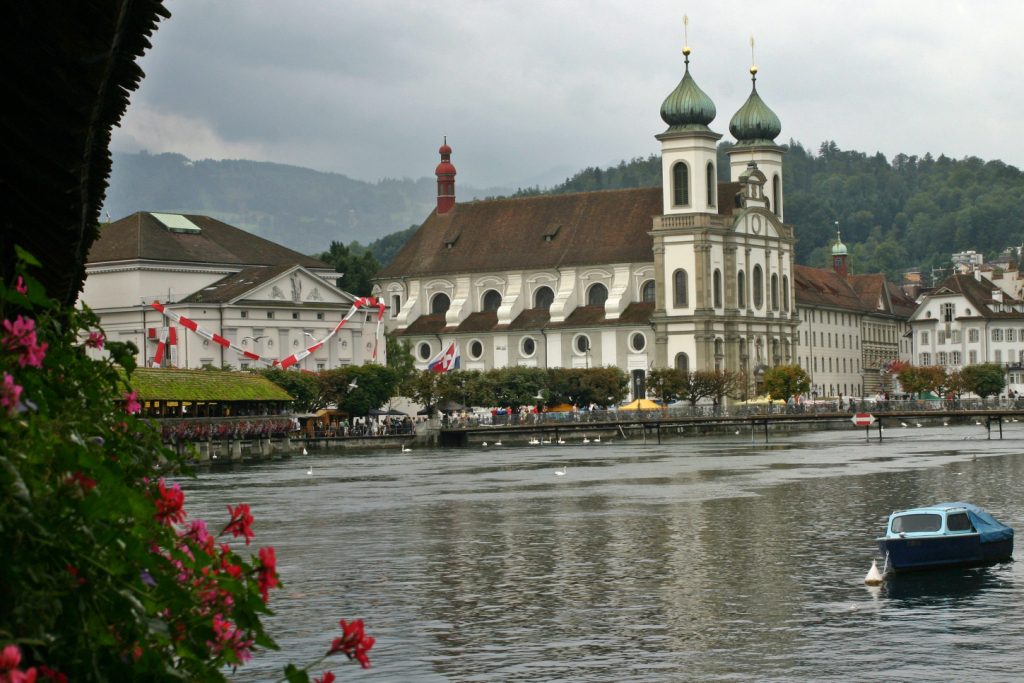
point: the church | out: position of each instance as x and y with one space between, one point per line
697 274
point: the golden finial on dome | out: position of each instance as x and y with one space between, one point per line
753 65
686 39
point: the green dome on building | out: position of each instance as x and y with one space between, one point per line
838 248
687 108
755 123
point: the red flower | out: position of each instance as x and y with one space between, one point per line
21 286
169 506
266 573
131 403
353 642
227 636
9 671
86 483
52 675
328 677
96 340
241 522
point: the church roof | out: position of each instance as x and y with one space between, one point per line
868 293
190 239
545 231
234 285
687 108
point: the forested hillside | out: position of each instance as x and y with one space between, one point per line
298 207
911 212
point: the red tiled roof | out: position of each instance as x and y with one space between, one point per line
979 294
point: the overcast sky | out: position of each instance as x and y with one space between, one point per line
531 91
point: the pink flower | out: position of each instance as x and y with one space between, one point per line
21 286
21 336
197 532
131 403
241 522
266 573
10 658
96 340
170 504
10 394
353 642
227 636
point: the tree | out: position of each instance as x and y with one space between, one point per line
357 269
304 387
696 385
912 379
424 388
722 383
986 379
784 381
358 389
666 383
400 359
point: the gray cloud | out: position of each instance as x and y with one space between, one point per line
368 88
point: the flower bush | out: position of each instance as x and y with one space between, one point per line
105 576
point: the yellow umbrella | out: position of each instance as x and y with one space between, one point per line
641 404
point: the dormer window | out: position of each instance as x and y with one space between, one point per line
551 233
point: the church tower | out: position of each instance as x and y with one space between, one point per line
839 257
445 173
755 128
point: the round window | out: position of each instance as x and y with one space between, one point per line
582 343
638 342
529 347
424 350
476 349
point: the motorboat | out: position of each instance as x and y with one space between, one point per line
944 535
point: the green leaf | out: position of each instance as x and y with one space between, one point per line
294 674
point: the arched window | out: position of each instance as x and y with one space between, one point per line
680 282
785 292
712 185
777 195
440 304
597 295
492 300
758 287
680 184
647 292
543 297
741 289
775 292
682 362
716 288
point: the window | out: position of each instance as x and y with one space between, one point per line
476 349
926 359
972 335
940 358
999 356
948 312
543 297
712 184
916 523
396 304
758 287
320 367
244 314
972 357
582 344
940 337
597 295
776 195
954 358
924 337
295 315
423 350
682 362
647 292
319 316
956 336
997 334
492 300
440 304
528 347
785 292
775 292
741 289
680 184
958 522
716 288
638 342
270 315
680 282
1011 334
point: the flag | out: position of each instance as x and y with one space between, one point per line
447 359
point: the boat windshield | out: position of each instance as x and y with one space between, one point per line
916 523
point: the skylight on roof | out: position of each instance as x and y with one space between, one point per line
175 222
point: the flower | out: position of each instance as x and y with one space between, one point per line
52 675
85 482
10 658
21 336
96 340
241 522
147 578
353 642
197 532
21 286
131 402
10 393
328 677
170 504
227 636
266 573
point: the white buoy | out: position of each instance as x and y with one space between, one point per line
874 576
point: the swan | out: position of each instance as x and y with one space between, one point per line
406 450
945 424
484 444
498 442
561 440
304 451
903 424
534 441
586 440
310 470
918 424
561 472
977 422
597 439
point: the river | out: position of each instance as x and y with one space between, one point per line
700 559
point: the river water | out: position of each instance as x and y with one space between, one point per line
701 559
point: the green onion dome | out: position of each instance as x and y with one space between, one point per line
755 123
838 248
687 107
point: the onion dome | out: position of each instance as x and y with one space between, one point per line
838 248
445 167
687 107
755 123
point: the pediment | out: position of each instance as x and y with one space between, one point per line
297 286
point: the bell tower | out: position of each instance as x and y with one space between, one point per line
445 173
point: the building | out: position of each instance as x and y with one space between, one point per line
966 320
694 274
267 299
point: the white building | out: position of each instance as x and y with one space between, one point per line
267 299
969 320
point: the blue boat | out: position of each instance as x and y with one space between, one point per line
944 535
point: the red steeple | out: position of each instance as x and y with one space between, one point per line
445 173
